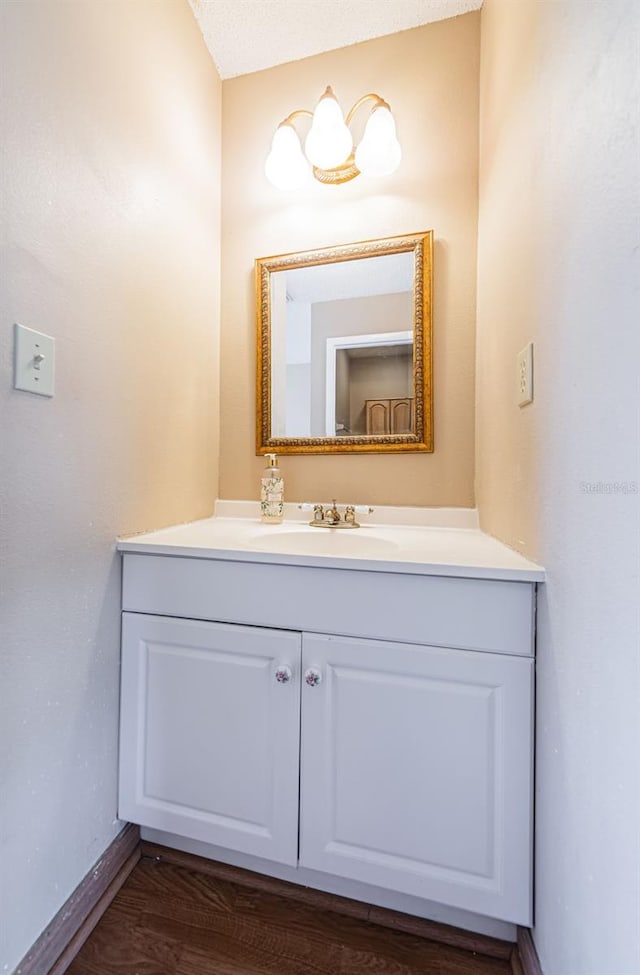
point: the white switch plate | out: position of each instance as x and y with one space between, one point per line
524 367
34 363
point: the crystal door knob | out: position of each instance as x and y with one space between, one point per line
312 677
283 674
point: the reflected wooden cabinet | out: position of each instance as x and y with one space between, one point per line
389 416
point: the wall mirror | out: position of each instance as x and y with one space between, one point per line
344 348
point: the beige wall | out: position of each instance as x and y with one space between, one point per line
508 270
110 116
430 77
559 263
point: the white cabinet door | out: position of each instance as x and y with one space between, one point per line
416 772
209 738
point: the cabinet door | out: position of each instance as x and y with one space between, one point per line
400 418
377 417
209 738
416 772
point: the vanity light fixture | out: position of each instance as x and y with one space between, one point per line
329 152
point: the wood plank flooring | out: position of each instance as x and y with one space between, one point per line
170 921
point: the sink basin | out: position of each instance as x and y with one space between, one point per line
323 541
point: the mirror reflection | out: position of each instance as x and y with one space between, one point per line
344 348
347 351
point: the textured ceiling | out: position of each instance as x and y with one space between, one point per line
249 35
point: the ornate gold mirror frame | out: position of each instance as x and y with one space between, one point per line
421 439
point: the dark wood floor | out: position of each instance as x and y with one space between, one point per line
167 920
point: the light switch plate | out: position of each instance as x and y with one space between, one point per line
524 377
34 363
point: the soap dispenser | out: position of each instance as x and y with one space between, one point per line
272 492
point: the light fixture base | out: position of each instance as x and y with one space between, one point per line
340 174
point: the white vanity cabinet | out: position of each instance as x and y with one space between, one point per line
401 763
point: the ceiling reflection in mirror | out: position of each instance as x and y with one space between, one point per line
342 348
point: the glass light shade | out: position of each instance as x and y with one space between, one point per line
379 153
329 141
285 166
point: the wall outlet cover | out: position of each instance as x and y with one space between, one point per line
524 376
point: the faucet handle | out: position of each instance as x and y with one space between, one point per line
356 509
352 509
318 510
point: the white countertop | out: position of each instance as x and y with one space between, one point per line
436 541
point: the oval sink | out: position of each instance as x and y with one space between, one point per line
323 541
